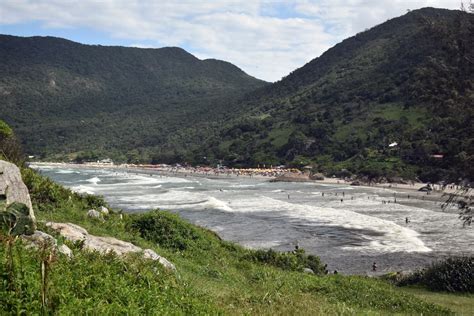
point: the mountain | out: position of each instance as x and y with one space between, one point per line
63 97
395 100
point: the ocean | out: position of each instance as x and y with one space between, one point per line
348 227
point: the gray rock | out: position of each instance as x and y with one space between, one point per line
150 254
65 250
14 194
104 245
317 176
11 185
72 232
308 270
104 210
93 214
40 239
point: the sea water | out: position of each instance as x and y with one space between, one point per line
348 235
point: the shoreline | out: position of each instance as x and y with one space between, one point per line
404 194
386 191
269 174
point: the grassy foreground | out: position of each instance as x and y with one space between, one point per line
462 304
213 276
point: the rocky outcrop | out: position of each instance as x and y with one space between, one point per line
317 176
292 177
40 239
104 245
16 210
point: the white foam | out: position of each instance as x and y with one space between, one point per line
94 180
66 171
83 189
388 237
214 203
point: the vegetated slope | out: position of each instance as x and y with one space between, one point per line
63 97
409 80
213 276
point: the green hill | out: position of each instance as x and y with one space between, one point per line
408 81
63 97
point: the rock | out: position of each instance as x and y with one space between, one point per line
71 231
355 183
93 214
65 250
104 210
150 254
40 239
15 203
110 244
426 188
75 233
292 177
308 270
317 176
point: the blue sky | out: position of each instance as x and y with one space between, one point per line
267 39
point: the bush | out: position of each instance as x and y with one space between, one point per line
451 275
167 230
10 148
47 195
294 261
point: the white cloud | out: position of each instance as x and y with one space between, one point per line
267 39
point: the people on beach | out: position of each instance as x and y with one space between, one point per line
374 267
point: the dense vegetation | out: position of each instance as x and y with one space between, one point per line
408 81
213 276
450 275
63 97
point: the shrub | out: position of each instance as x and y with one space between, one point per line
167 230
451 275
10 148
47 195
294 261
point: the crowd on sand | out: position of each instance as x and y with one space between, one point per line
221 171
278 173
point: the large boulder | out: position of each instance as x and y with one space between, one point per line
16 211
104 245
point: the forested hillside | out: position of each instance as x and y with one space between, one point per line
63 97
408 81
395 100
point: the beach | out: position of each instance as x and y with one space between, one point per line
347 226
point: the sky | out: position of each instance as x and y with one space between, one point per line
266 39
